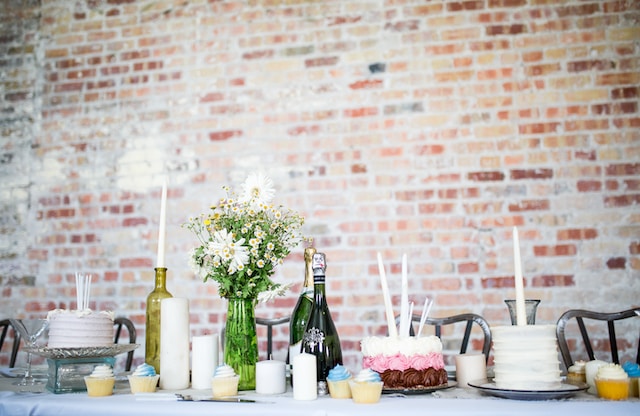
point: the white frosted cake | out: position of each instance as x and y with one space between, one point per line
405 362
526 357
86 328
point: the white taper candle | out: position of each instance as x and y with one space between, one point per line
162 231
521 314
391 323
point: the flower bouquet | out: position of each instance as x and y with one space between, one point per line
242 240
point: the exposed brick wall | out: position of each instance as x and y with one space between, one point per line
426 128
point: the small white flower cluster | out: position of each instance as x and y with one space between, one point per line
242 241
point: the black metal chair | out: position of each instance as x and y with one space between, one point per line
470 319
5 324
131 329
580 315
270 323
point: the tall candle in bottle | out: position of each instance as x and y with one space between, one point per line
521 314
174 344
162 227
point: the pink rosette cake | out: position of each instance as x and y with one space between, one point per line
405 362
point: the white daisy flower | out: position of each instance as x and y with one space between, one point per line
257 190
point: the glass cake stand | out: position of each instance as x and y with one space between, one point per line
69 366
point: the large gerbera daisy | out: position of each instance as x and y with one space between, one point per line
257 190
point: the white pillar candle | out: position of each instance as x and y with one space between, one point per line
470 367
521 314
270 377
162 230
305 379
174 344
204 360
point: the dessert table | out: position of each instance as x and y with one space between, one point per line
450 402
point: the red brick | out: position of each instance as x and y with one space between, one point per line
513 29
517 174
530 205
617 263
557 250
506 3
623 169
224 135
559 280
326 61
577 234
486 176
341 20
466 268
622 200
365 84
498 282
361 112
404 26
134 222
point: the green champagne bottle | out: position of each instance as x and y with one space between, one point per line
302 310
152 325
321 338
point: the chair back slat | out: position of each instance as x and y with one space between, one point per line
5 324
613 342
585 337
270 323
465 338
580 315
119 322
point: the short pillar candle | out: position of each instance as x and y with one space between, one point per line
270 377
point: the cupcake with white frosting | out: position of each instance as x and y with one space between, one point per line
366 387
224 382
612 382
101 381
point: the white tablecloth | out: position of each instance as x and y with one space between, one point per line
451 402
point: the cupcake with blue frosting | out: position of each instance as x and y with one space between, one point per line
633 371
338 382
366 387
143 379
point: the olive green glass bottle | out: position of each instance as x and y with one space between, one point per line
152 331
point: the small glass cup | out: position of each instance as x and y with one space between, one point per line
530 307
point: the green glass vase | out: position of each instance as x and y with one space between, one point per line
241 341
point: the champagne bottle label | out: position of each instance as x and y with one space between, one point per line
313 337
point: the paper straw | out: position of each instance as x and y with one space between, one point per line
87 291
393 331
425 312
77 291
409 317
405 318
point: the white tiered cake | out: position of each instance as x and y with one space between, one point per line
526 357
85 328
